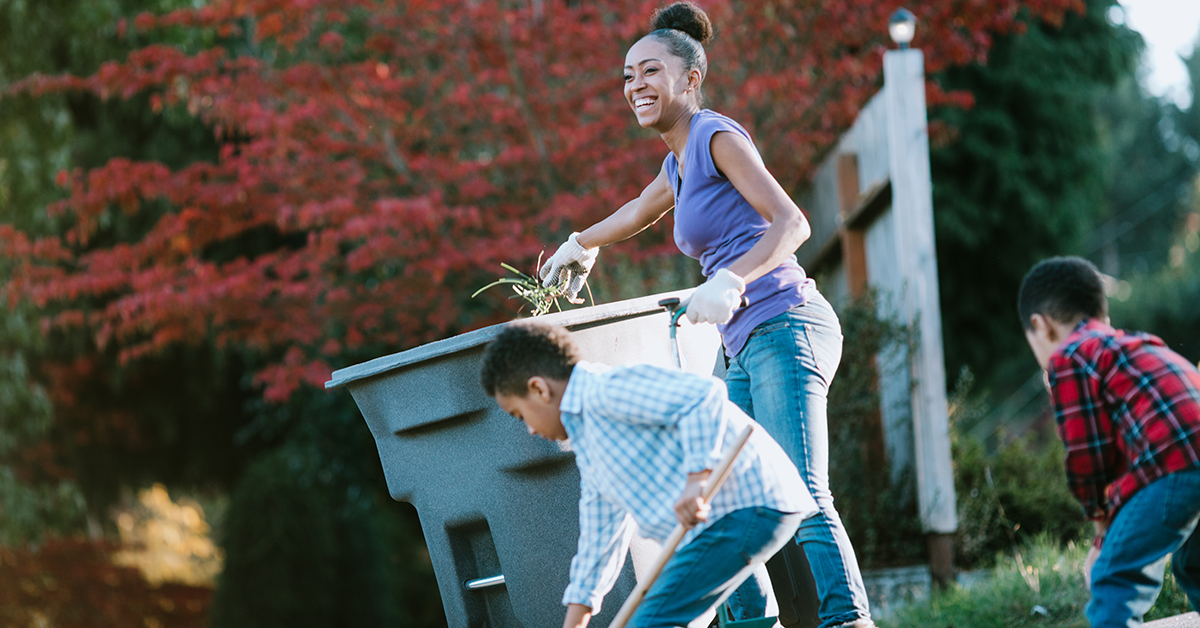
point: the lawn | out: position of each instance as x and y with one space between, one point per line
1040 585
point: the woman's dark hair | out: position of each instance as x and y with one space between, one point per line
684 28
523 350
1062 289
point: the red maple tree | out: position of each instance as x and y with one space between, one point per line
380 158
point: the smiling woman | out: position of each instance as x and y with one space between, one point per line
731 214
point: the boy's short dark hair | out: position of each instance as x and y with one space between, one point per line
1063 289
524 350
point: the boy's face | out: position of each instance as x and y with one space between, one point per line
1046 336
1041 342
538 408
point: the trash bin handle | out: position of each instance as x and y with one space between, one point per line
483 583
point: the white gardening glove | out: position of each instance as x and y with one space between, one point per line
569 265
716 299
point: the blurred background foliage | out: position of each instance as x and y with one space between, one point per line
1023 177
1062 153
301 483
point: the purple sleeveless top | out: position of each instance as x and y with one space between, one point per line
716 225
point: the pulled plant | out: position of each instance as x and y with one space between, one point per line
539 297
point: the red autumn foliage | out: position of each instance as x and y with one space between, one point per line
380 158
72 583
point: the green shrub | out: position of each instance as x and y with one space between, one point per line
312 537
1041 584
880 514
1004 498
1009 497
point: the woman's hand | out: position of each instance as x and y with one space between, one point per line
572 262
716 299
569 265
691 508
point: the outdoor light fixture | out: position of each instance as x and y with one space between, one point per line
902 26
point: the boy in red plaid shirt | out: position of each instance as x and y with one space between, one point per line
1128 410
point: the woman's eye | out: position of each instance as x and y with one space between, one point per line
628 77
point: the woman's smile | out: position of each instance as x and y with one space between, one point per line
644 102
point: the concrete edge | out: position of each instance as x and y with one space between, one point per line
1186 620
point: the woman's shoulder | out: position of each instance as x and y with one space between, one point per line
708 121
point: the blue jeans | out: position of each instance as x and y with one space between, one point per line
781 378
1159 520
707 570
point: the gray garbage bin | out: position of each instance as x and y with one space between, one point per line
499 508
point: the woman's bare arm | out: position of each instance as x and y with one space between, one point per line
736 158
633 217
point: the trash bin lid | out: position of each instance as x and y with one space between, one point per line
571 319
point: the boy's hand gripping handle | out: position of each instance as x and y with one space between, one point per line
719 474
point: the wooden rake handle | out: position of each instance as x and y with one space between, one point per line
715 480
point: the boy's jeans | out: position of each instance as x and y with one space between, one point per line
781 379
706 570
1159 520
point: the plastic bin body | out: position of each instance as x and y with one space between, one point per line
492 499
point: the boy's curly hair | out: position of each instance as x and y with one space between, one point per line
1063 289
524 350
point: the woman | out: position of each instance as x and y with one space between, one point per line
731 214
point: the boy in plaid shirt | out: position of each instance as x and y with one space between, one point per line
645 439
1128 410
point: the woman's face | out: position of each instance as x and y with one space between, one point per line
656 88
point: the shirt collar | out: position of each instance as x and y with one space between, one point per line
1083 328
571 406
1089 325
572 399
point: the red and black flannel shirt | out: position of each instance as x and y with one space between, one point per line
1128 410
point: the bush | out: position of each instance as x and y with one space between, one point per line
312 537
1011 496
1004 498
880 514
73 583
1040 585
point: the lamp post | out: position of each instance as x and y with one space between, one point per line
902 26
912 206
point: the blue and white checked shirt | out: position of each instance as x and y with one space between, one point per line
637 431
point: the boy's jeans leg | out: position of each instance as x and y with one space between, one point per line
703 573
1157 521
781 379
754 598
1185 564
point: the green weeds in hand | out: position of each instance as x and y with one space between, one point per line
540 298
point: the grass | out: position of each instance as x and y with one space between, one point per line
1040 585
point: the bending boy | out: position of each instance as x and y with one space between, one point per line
645 439
1128 410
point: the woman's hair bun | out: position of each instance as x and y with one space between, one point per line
686 17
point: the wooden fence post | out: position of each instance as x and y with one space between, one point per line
912 202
